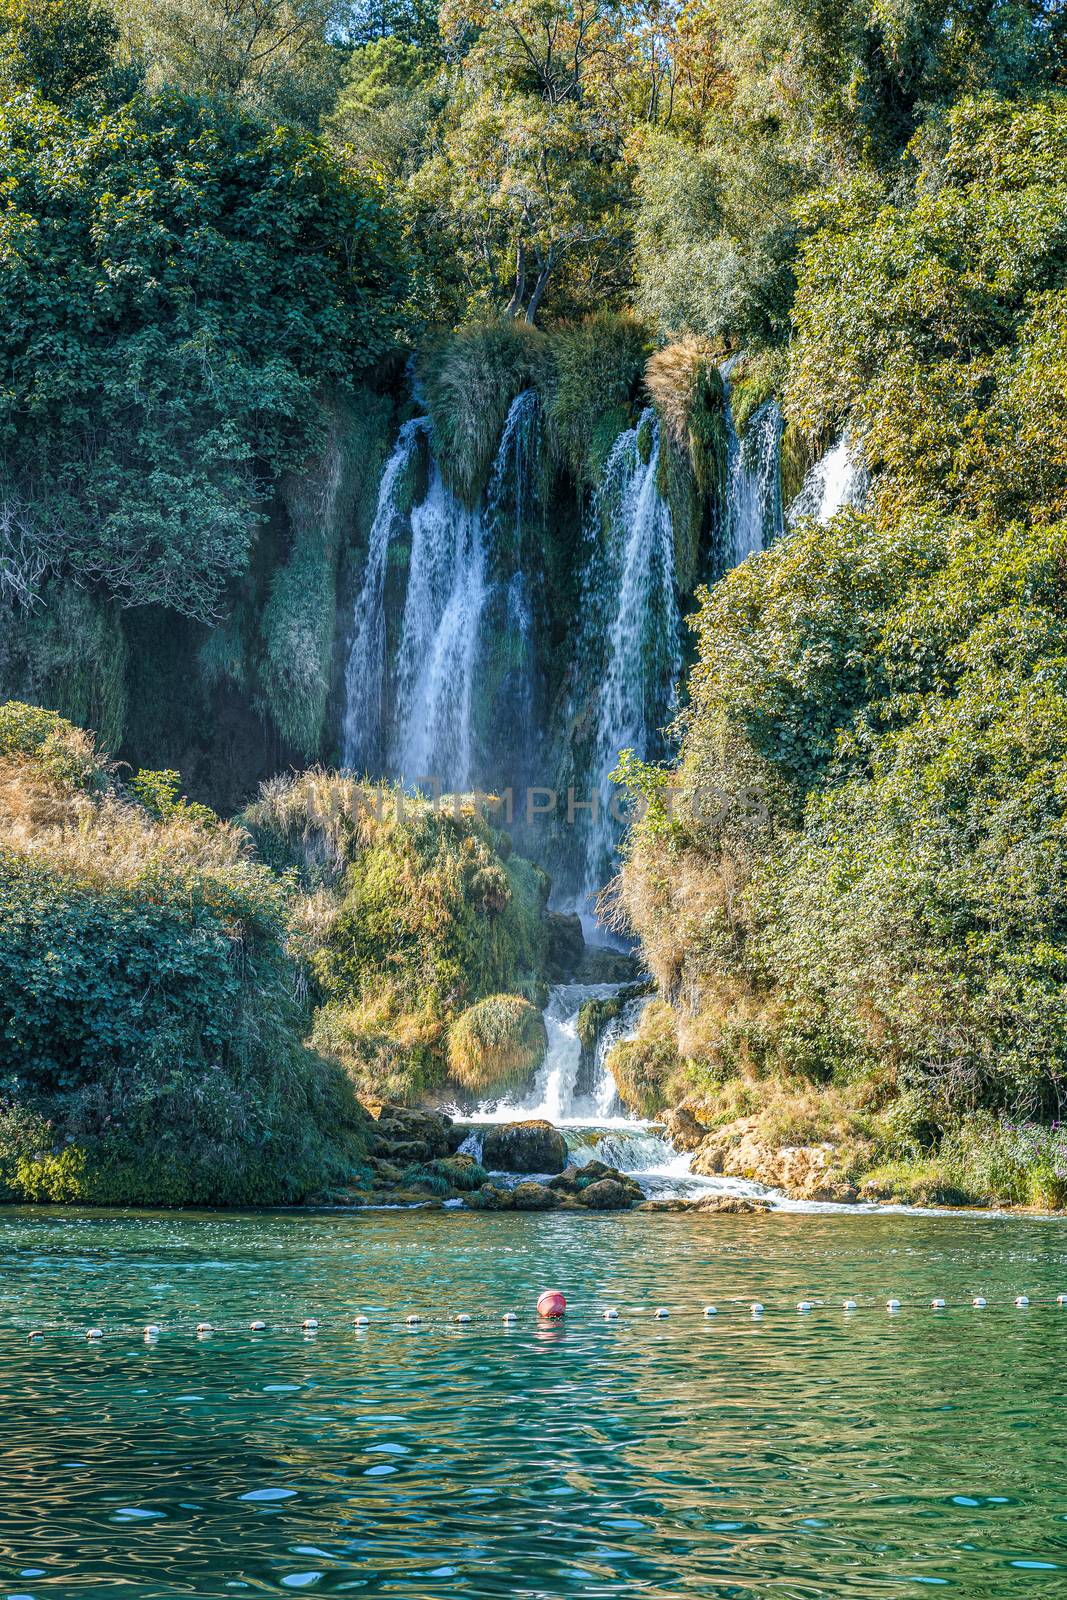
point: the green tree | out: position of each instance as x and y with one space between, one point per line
182 284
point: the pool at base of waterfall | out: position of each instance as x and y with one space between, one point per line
840 1452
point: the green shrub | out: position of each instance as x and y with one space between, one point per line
150 1035
592 387
470 381
496 1043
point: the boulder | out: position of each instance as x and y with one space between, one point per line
601 963
491 1197
683 1129
565 1182
664 1205
524 1147
566 945
534 1197
731 1205
803 1171
405 1135
609 1194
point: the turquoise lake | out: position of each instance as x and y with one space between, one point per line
794 1455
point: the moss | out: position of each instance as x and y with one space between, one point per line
412 914
648 1070
592 388
496 1043
71 654
796 457
686 387
753 381
469 381
297 625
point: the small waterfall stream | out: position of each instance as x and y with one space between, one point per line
631 580
838 479
362 734
754 518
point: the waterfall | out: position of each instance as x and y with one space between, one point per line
555 1093
838 479
365 673
753 484
630 580
439 640
461 560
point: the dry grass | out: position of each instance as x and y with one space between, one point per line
675 378
496 1043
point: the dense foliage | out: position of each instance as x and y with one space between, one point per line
862 876
150 1031
411 914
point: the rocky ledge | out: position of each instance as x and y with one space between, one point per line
415 1158
804 1172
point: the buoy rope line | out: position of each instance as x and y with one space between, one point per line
361 1322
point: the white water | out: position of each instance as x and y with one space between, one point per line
643 643
838 479
753 483
439 636
365 673
449 585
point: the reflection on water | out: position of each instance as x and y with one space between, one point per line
819 1455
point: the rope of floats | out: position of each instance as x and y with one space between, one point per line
551 1307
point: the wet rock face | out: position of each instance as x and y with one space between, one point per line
524 1147
566 945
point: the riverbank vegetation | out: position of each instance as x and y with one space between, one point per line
151 1022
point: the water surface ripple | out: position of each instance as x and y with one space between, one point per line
828 1454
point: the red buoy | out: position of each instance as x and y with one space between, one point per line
551 1304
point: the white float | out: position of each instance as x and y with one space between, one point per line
710 1311
414 1320
978 1302
849 1305
310 1324
756 1309
1061 1299
360 1322
35 1333
152 1331
257 1327
510 1316
204 1327
892 1305
610 1314
661 1311
803 1305
1022 1301
937 1305
94 1333
462 1316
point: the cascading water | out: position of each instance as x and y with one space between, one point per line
461 561
595 1123
365 673
631 579
838 479
439 640
753 483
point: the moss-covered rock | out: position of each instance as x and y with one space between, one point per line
413 913
534 1146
